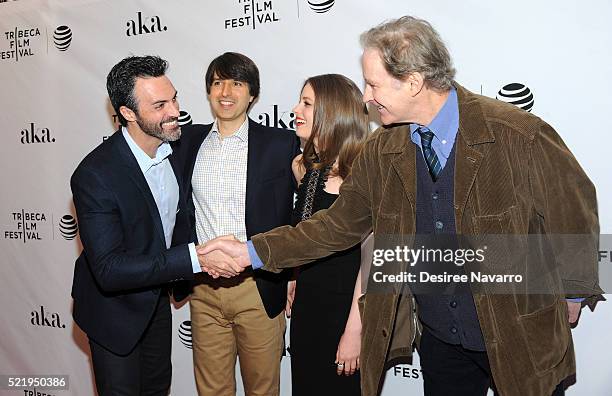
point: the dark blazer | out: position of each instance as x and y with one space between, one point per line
125 263
269 191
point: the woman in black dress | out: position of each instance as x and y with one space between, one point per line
325 332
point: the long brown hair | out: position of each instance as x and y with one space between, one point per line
340 124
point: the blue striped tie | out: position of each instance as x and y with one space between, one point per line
433 163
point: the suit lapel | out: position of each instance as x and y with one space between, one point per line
193 147
471 148
178 175
254 161
404 159
133 171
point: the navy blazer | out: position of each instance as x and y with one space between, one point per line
269 191
125 263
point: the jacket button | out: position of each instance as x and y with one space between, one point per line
384 333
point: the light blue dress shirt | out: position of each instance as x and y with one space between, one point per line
444 126
164 187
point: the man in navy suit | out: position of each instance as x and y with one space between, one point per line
134 228
239 181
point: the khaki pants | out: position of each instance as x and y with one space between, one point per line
228 319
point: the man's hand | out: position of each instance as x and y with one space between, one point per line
290 297
231 247
573 311
217 264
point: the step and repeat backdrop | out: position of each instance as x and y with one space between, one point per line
551 58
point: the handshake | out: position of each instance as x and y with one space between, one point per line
223 256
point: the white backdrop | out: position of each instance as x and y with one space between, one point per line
54 57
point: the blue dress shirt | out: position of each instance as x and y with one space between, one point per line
444 126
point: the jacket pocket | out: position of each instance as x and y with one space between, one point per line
500 223
546 333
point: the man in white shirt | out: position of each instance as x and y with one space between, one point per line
241 184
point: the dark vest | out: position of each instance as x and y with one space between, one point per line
450 315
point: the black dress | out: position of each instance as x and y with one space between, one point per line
322 303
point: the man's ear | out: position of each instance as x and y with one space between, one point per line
127 113
415 82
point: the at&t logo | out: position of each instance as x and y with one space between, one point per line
321 6
184 118
185 334
68 227
517 94
62 37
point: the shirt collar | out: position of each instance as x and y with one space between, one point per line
144 161
445 124
241 133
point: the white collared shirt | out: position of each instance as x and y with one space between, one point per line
219 184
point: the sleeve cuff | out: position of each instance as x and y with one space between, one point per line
256 262
195 263
576 300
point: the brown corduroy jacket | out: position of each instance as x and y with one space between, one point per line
513 175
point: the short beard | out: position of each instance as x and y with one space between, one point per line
157 131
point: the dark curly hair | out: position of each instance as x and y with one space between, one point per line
122 78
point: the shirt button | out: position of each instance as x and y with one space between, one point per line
453 330
434 196
443 141
453 304
439 225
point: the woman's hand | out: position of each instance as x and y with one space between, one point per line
347 355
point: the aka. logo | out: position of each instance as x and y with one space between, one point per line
31 134
68 227
285 119
184 118
185 334
143 25
517 94
321 6
46 319
62 37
